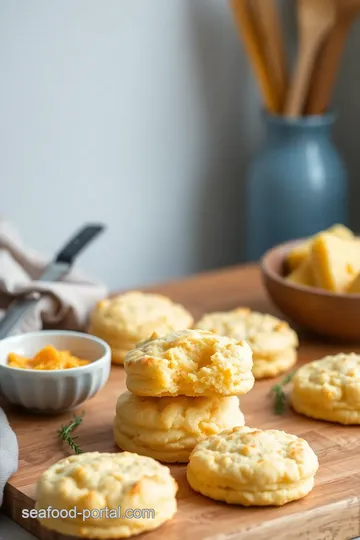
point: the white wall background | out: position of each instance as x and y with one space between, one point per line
141 114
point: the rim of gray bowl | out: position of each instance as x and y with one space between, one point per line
106 356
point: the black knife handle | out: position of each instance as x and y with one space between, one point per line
78 242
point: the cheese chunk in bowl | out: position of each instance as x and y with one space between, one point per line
330 260
325 297
53 371
47 359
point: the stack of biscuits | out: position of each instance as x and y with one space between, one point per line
182 406
182 388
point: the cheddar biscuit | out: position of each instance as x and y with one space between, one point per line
126 319
252 467
102 483
272 366
272 341
190 363
168 428
329 389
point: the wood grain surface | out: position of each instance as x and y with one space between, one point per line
330 512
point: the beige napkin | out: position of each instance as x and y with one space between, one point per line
9 453
65 304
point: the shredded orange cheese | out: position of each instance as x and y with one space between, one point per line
48 358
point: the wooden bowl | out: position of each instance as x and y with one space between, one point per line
323 312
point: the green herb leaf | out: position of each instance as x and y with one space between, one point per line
65 433
280 397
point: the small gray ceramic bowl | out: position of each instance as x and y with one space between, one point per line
54 391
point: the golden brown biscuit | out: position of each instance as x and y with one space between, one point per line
252 467
274 366
272 341
329 389
168 428
128 318
107 489
190 363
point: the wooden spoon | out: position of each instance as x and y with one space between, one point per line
247 30
267 20
329 60
316 18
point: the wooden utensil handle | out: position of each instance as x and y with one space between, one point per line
247 32
326 70
299 86
267 21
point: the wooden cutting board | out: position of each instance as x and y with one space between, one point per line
330 512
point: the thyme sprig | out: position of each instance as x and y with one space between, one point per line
65 433
280 397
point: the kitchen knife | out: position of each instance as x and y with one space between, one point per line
57 269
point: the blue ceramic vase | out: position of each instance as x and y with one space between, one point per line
296 184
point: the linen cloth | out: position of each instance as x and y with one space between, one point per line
9 453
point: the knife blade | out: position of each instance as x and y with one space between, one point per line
57 269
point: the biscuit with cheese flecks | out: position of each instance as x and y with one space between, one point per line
253 467
190 363
168 428
98 485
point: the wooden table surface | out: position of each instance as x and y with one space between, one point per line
330 512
